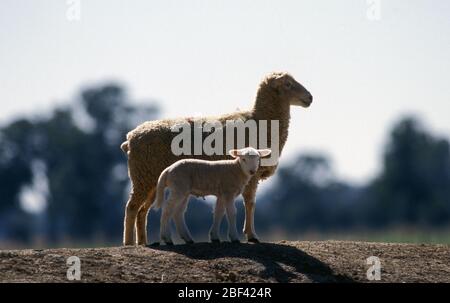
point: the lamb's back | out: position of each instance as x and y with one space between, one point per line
203 177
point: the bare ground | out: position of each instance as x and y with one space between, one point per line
323 261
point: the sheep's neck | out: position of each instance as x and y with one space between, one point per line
268 106
239 171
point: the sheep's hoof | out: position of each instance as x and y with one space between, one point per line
253 240
235 241
169 243
189 241
154 244
215 241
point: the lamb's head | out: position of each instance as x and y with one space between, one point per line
249 158
288 89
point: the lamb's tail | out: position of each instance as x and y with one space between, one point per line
160 190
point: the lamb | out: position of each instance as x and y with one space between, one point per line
223 178
148 148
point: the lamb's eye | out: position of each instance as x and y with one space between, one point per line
244 160
288 85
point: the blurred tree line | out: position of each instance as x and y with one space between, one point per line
76 149
412 189
69 165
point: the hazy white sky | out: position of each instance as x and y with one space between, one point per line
207 57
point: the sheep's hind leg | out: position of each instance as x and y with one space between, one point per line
249 195
137 197
180 223
219 211
141 221
166 215
231 216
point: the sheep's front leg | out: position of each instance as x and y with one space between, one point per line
249 195
219 211
231 216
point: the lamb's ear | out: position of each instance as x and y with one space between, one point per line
264 152
234 153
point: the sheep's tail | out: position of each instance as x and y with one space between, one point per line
160 190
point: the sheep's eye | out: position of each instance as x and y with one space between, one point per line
289 85
244 160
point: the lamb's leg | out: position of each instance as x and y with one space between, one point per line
137 197
180 223
249 195
231 216
141 222
219 211
167 213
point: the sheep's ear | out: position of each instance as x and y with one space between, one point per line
234 153
264 152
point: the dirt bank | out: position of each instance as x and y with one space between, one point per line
324 261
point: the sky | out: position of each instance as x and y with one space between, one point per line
366 62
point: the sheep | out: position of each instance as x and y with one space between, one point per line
148 148
224 179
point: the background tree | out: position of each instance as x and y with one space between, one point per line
307 196
16 148
85 168
414 185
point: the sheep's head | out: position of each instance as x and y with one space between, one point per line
289 89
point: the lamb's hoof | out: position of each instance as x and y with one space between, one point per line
215 241
235 241
169 243
154 244
253 240
189 241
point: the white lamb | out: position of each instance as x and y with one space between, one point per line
224 179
